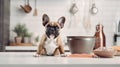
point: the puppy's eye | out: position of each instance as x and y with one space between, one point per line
57 27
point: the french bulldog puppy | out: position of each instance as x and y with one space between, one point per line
51 44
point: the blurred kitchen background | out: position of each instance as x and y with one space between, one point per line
79 23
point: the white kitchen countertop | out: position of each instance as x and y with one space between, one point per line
27 58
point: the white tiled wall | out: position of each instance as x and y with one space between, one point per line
107 15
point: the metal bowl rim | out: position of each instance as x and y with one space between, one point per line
80 37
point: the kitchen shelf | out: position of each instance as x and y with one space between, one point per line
26 48
21 44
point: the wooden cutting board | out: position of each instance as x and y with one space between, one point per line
116 48
21 44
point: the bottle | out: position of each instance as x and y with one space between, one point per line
100 39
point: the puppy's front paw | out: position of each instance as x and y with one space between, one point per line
63 55
37 55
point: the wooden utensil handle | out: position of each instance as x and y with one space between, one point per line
35 3
28 2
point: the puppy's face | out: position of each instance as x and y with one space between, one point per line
53 28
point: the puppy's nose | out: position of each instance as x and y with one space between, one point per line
52 29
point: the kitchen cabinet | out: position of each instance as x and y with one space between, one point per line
4 23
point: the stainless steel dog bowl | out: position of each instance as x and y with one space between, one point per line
81 44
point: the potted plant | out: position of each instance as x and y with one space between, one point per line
19 29
27 37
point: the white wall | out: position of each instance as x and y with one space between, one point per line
107 15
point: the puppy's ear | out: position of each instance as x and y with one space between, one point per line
61 21
45 19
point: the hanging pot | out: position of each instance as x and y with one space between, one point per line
27 8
